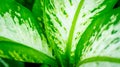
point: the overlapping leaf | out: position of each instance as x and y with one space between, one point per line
18 26
65 21
61 25
59 19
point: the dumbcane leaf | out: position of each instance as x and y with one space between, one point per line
18 25
37 10
24 53
101 40
63 27
59 16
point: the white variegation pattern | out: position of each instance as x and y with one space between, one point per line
59 19
24 33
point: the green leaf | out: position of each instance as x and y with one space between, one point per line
59 16
66 20
18 25
26 3
37 11
66 29
23 53
103 39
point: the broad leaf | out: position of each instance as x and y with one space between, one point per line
103 41
66 20
23 53
66 29
19 27
59 16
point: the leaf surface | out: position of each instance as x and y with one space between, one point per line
59 16
101 39
18 26
66 20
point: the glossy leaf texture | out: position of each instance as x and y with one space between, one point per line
100 43
19 28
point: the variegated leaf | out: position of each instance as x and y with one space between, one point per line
18 25
101 40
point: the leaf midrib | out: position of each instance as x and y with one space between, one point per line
72 29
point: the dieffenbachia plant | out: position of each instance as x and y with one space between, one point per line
61 33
